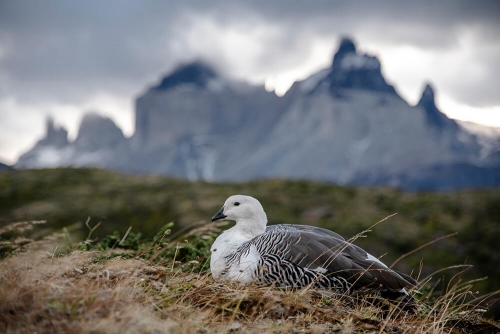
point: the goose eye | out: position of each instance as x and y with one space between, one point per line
236 203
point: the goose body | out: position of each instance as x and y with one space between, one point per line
296 255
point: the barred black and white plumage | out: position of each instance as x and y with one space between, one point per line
296 255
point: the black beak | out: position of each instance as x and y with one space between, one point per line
219 215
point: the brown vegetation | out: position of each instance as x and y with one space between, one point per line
115 290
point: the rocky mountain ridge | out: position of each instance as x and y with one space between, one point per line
344 124
99 143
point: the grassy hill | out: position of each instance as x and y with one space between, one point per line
64 198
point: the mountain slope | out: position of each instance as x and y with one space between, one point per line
199 122
5 167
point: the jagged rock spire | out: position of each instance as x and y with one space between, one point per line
433 115
56 136
427 96
346 46
49 125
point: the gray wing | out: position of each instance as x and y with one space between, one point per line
317 248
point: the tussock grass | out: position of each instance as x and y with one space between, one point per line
120 285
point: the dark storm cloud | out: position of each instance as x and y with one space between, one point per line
67 50
69 45
433 23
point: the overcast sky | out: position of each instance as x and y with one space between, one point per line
64 58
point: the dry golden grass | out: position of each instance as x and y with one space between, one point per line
84 292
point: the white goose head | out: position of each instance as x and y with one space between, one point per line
248 213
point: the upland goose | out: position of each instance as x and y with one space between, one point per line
296 255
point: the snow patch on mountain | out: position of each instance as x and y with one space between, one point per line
480 129
354 61
488 137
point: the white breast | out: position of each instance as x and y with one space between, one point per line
243 272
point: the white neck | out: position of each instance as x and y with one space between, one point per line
250 228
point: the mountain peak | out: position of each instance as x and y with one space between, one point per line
55 135
433 115
427 95
346 47
427 100
350 70
93 124
196 73
49 124
347 58
93 117
98 131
